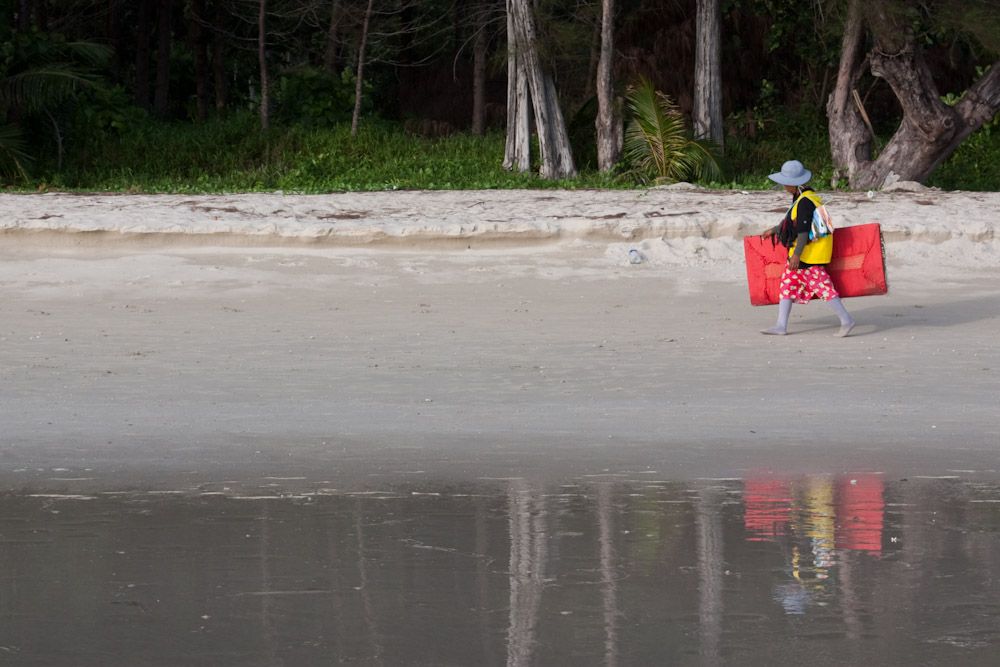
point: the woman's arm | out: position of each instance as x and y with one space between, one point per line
800 244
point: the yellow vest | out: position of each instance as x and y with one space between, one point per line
819 251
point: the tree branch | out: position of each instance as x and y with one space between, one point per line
980 103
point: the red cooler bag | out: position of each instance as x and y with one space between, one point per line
857 267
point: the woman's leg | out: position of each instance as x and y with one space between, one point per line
846 321
781 328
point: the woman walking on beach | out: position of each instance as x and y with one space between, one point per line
804 276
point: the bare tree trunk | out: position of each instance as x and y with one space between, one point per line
850 139
332 36
161 99
265 83
200 38
708 72
930 130
609 118
144 22
518 149
553 139
479 71
361 69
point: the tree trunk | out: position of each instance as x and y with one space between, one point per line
219 70
850 139
42 15
361 70
332 37
708 72
553 140
113 30
23 15
930 130
161 99
518 149
199 35
609 118
265 83
479 71
144 22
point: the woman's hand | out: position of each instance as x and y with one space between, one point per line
768 233
793 262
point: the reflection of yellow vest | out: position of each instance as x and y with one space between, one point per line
819 251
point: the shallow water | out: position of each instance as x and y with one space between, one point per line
611 570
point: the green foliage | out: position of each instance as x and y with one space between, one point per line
105 112
233 155
13 155
752 160
975 165
582 134
317 98
37 72
658 146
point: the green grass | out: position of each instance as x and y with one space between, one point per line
233 155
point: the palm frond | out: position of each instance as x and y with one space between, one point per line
12 153
708 158
658 144
93 54
35 88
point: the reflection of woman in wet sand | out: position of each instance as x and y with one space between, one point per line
805 276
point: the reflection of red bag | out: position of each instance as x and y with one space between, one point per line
860 507
857 267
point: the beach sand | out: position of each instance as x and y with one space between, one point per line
146 339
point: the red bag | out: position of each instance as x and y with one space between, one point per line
857 267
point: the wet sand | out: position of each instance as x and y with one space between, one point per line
596 570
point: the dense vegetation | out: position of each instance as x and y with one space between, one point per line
164 95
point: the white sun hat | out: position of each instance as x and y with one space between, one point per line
792 173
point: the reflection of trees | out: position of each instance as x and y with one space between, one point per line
366 595
483 577
393 580
527 571
708 524
609 580
266 615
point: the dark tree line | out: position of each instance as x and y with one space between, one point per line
444 65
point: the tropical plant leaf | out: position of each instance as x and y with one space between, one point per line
658 144
710 165
38 87
93 54
13 156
